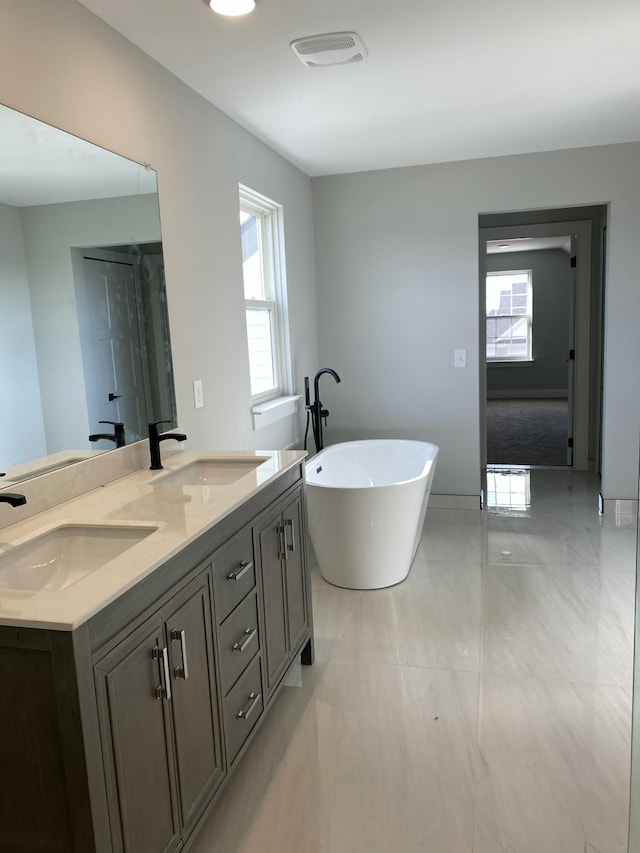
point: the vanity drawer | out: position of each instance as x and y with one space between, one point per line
239 641
242 709
234 574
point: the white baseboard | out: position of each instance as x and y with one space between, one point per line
520 394
618 506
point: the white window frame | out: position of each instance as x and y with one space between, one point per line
526 316
271 217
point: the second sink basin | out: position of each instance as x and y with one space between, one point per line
210 472
60 557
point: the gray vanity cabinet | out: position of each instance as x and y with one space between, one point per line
239 640
280 554
137 745
119 735
295 571
194 699
160 733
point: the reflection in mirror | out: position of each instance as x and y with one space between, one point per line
85 355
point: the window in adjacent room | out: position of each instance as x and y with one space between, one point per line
261 228
509 316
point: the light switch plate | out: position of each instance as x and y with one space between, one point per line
198 399
460 358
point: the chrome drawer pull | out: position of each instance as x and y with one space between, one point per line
181 671
164 688
241 571
243 713
249 634
282 542
288 522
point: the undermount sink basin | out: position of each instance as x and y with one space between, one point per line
62 556
210 472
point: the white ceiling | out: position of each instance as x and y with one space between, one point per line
444 79
43 165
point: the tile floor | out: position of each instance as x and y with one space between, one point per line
482 706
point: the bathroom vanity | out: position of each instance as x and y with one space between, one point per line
129 692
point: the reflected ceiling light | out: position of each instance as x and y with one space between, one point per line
232 8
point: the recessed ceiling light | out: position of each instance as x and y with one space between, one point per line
232 8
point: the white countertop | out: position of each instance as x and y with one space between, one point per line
180 513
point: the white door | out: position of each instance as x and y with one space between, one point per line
113 364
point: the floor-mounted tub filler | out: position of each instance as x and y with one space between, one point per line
367 502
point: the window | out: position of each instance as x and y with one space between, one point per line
263 272
509 314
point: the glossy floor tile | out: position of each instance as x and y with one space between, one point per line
556 758
432 619
481 706
555 622
385 759
460 542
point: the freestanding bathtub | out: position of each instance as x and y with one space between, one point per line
367 502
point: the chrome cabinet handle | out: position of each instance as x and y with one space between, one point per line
181 671
288 522
243 713
163 690
241 571
282 542
249 634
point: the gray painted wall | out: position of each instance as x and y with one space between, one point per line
551 280
397 271
21 425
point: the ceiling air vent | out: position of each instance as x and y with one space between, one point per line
329 49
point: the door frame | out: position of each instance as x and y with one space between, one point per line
582 231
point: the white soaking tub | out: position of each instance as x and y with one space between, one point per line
366 502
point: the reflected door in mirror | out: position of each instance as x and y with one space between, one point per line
111 346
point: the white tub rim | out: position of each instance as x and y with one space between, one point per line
367 442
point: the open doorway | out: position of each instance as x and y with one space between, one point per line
529 380
541 337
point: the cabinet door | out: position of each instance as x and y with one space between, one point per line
194 696
269 548
136 740
295 570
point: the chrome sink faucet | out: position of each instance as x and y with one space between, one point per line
154 443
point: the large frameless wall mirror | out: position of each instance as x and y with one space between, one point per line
84 333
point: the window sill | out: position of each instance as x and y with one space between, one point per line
274 410
525 362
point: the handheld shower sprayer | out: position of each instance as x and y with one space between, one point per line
315 410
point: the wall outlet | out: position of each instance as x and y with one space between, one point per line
198 399
460 358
